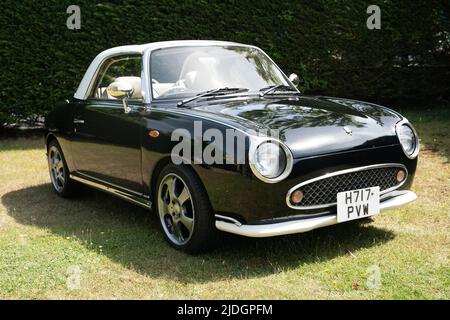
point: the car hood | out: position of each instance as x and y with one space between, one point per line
309 125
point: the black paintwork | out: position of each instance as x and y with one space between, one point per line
114 148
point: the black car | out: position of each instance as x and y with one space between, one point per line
213 136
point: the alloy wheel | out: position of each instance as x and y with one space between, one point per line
56 168
176 209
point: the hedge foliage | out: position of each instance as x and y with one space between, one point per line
326 41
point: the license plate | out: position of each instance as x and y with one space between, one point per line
357 204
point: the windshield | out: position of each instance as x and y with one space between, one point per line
186 71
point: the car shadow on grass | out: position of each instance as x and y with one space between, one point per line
130 235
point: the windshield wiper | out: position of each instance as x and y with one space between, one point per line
270 89
211 93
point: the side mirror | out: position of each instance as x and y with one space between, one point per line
294 78
120 90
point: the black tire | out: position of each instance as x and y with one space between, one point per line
203 235
68 187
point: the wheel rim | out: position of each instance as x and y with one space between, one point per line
176 209
56 168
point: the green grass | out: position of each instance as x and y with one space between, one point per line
120 252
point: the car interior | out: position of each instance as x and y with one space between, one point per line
197 71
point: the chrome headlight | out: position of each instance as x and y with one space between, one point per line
408 139
271 161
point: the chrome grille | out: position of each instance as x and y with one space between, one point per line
322 192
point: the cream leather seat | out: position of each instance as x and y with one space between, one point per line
160 88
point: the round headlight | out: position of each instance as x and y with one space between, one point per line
270 160
407 139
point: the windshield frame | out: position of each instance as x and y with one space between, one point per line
248 93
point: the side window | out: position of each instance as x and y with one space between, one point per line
123 69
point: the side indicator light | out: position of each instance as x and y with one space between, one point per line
154 133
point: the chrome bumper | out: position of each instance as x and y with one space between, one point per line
399 198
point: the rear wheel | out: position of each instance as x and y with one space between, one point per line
59 173
184 210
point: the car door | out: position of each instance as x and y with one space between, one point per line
106 144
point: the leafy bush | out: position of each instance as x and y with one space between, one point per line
326 41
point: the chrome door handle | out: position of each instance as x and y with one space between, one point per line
78 121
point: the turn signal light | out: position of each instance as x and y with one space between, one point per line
296 197
401 174
154 133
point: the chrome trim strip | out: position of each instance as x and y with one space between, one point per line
416 150
234 221
90 178
298 216
145 77
304 225
277 229
337 173
110 189
398 199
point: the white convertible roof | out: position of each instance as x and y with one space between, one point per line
91 72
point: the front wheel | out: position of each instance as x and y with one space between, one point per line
59 173
184 210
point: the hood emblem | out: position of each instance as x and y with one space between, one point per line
348 131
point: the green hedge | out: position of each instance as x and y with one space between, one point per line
326 41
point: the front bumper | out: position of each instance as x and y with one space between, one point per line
399 198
